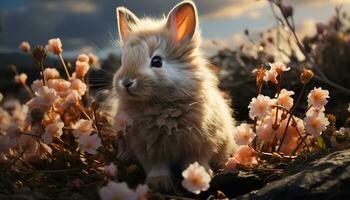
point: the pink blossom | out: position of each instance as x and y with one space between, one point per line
37 84
50 118
54 46
196 179
21 78
93 59
19 114
279 67
82 127
83 58
292 131
113 191
51 73
81 69
70 100
243 134
284 99
79 86
318 97
61 86
46 97
271 75
141 192
245 155
315 111
110 170
52 131
264 131
260 107
231 165
315 124
289 145
89 143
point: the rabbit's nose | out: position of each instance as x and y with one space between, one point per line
127 82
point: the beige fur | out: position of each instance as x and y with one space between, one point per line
179 115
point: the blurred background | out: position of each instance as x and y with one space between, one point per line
238 36
90 25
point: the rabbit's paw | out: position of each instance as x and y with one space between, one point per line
161 183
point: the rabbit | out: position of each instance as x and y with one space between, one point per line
168 90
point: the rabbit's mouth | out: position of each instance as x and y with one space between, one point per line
129 92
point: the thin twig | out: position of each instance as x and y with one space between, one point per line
16 159
24 84
64 65
322 77
42 72
294 120
98 128
61 170
290 116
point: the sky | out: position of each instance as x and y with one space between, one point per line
90 25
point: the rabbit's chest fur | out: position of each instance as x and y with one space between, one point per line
179 131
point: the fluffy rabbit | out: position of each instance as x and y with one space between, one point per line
167 89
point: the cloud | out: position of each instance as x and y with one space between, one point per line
71 6
211 46
317 2
238 8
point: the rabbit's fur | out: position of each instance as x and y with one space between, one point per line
179 115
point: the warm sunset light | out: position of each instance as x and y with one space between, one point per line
174 99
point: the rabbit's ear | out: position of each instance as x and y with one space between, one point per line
126 19
182 20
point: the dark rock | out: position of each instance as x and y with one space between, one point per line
233 185
317 176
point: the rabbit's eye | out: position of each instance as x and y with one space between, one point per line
156 62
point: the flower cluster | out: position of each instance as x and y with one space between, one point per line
31 128
61 117
276 125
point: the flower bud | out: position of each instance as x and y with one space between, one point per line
306 75
331 118
246 32
260 76
284 116
275 126
39 54
287 11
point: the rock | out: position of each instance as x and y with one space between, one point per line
233 185
317 176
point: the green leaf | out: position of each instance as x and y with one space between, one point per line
321 143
